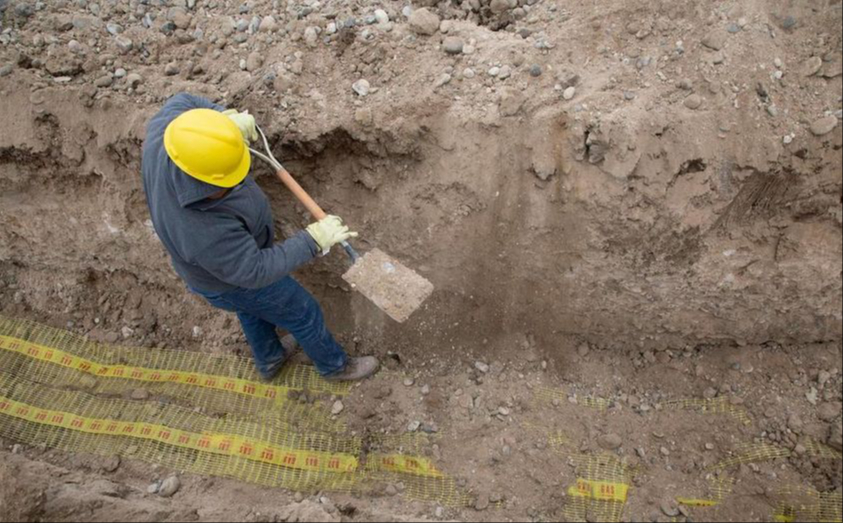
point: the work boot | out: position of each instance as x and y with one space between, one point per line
356 369
291 349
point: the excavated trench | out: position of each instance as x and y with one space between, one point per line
518 236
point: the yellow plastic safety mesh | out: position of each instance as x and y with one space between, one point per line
753 453
559 396
215 384
710 406
245 429
601 489
806 504
602 486
720 486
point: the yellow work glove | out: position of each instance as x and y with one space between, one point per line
245 122
329 232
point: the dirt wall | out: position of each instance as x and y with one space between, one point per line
683 195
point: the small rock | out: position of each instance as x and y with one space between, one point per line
139 395
835 436
482 367
111 464
424 22
788 23
694 102
511 102
126 332
494 71
664 451
733 28
629 95
254 61
453 45
268 25
583 350
425 390
197 331
17 449
482 503
830 411
794 423
442 80
824 125
414 426
171 69
381 16
670 509
311 37
361 87
391 491
502 6
709 446
469 73
505 72
112 337
710 393
134 80
813 66
824 375
104 81
409 382
610 442
569 93
536 70
6 70
153 488
169 487
338 407
124 44
120 73
715 40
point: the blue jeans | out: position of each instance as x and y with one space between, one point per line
287 305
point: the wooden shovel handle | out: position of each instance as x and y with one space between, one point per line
301 194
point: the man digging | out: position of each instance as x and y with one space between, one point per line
217 225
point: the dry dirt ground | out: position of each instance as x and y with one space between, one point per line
638 201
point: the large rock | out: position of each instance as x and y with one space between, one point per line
424 22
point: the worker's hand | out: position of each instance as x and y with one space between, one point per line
329 232
245 122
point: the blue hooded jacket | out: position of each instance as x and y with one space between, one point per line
216 245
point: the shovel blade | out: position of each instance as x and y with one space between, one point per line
394 288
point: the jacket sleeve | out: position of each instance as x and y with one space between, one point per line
184 102
235 258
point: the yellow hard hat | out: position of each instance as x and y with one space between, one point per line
208 146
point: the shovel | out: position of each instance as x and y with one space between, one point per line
392 287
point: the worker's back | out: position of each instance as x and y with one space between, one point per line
213 243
